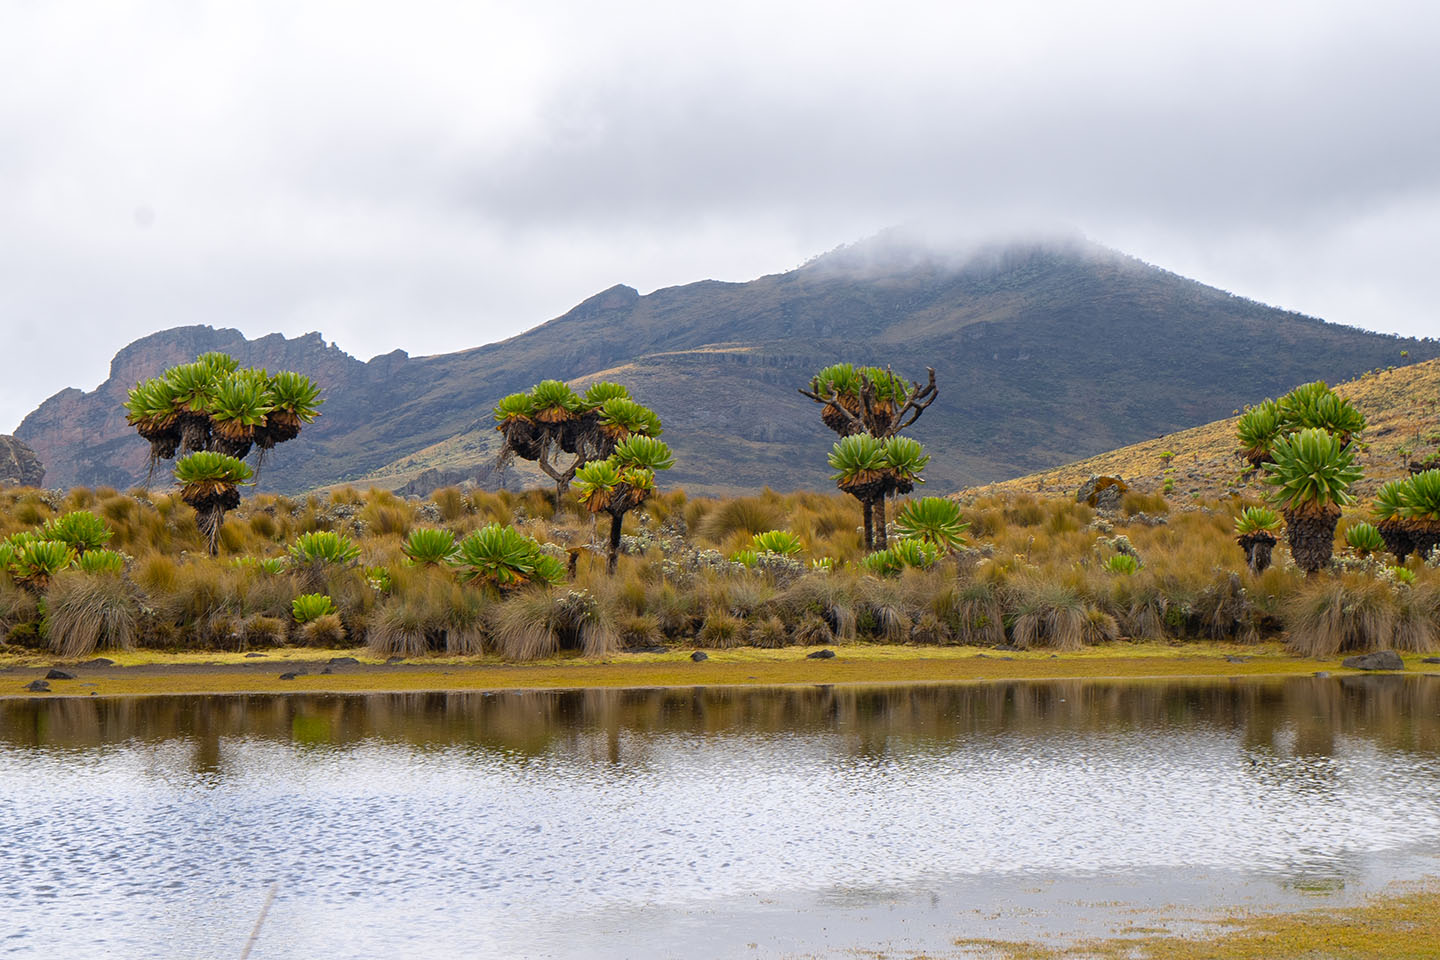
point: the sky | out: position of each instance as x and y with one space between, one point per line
432 176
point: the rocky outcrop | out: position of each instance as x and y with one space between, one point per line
1102 493
19 467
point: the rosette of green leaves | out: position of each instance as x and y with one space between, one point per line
781 542
311 606
885 386
915 553
324 546
622 414
746 558
1390 499
856 459
603 391
241 402
595 483
500 555
1121 563
555 401
904 459
39 560
1364 539
1311 471
516 406
1254 520
295 394
81 529
101 562
271 566
839 380
191 386
642 452
217 363
935 520
1422 498
151 402
209 467
429 546
1257 429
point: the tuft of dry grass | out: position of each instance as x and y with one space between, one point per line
85 613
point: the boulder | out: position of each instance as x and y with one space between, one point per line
38 686
699 655
1102 493
19 467
55 674
1379 660
821 655
342 661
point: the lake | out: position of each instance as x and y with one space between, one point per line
704 822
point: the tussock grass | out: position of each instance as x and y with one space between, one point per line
1032 575
85 613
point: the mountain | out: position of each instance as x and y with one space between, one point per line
1043 351
1401 410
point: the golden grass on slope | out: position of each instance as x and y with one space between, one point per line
1402 926
1402 407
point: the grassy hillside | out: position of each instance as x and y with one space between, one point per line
1401 405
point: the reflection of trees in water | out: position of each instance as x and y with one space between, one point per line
1274 718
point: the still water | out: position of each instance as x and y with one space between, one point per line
700 823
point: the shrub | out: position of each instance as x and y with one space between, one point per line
323 631
540 623
84 614
324 546
504 558
781 542
101 562
82 530
38 561
311 606
1364 539
935 520
427 545
1122 563
1354 613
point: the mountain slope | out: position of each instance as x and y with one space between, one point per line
1401 407
1044 353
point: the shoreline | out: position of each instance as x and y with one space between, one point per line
152 673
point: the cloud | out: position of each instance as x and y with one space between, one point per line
445 174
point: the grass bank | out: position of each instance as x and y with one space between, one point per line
144 672
1400 926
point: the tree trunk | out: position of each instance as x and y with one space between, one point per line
1260 555
869 526
880 539
1312 538
613 558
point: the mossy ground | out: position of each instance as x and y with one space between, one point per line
1404 925
153 672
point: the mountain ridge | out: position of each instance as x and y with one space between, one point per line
1044 353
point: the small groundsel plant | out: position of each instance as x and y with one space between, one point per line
903 553
502 557
1364 539
270 566
81 529
38 561
935 520
781 542
428 546
324 546
1121 563
101 562
309 607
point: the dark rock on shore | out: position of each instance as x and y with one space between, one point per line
38 686
342 661
99 662
821 655
1380 660
55 674
699 655
293 674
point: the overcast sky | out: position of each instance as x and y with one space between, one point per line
434 176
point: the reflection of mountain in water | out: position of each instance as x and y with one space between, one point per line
1277 720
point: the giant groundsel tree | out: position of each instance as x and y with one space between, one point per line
560 430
